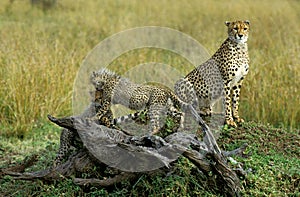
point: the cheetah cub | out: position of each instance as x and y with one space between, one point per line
221 75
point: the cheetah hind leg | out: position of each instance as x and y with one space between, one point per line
157 116
178 117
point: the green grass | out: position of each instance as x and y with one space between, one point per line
41 51
273 167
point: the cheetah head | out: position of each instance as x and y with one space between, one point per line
238 30
103 76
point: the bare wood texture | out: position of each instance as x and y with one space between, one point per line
112 149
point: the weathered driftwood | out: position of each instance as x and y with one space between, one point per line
18 169
102 148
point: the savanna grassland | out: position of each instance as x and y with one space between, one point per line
41 51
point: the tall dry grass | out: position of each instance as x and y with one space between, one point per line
41 51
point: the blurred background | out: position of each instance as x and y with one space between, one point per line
43 43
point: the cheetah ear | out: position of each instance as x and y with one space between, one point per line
227 23
92 76
247 22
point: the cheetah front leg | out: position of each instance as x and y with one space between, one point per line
228 113
66 139
235 101
104 114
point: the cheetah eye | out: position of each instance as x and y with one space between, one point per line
245 28
235 28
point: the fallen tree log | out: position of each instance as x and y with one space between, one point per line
127 157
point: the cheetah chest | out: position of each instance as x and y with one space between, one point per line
240 72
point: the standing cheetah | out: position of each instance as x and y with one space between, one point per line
222 74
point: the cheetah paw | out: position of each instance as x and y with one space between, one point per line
231 123
205 112
55 164
239 120
155 131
